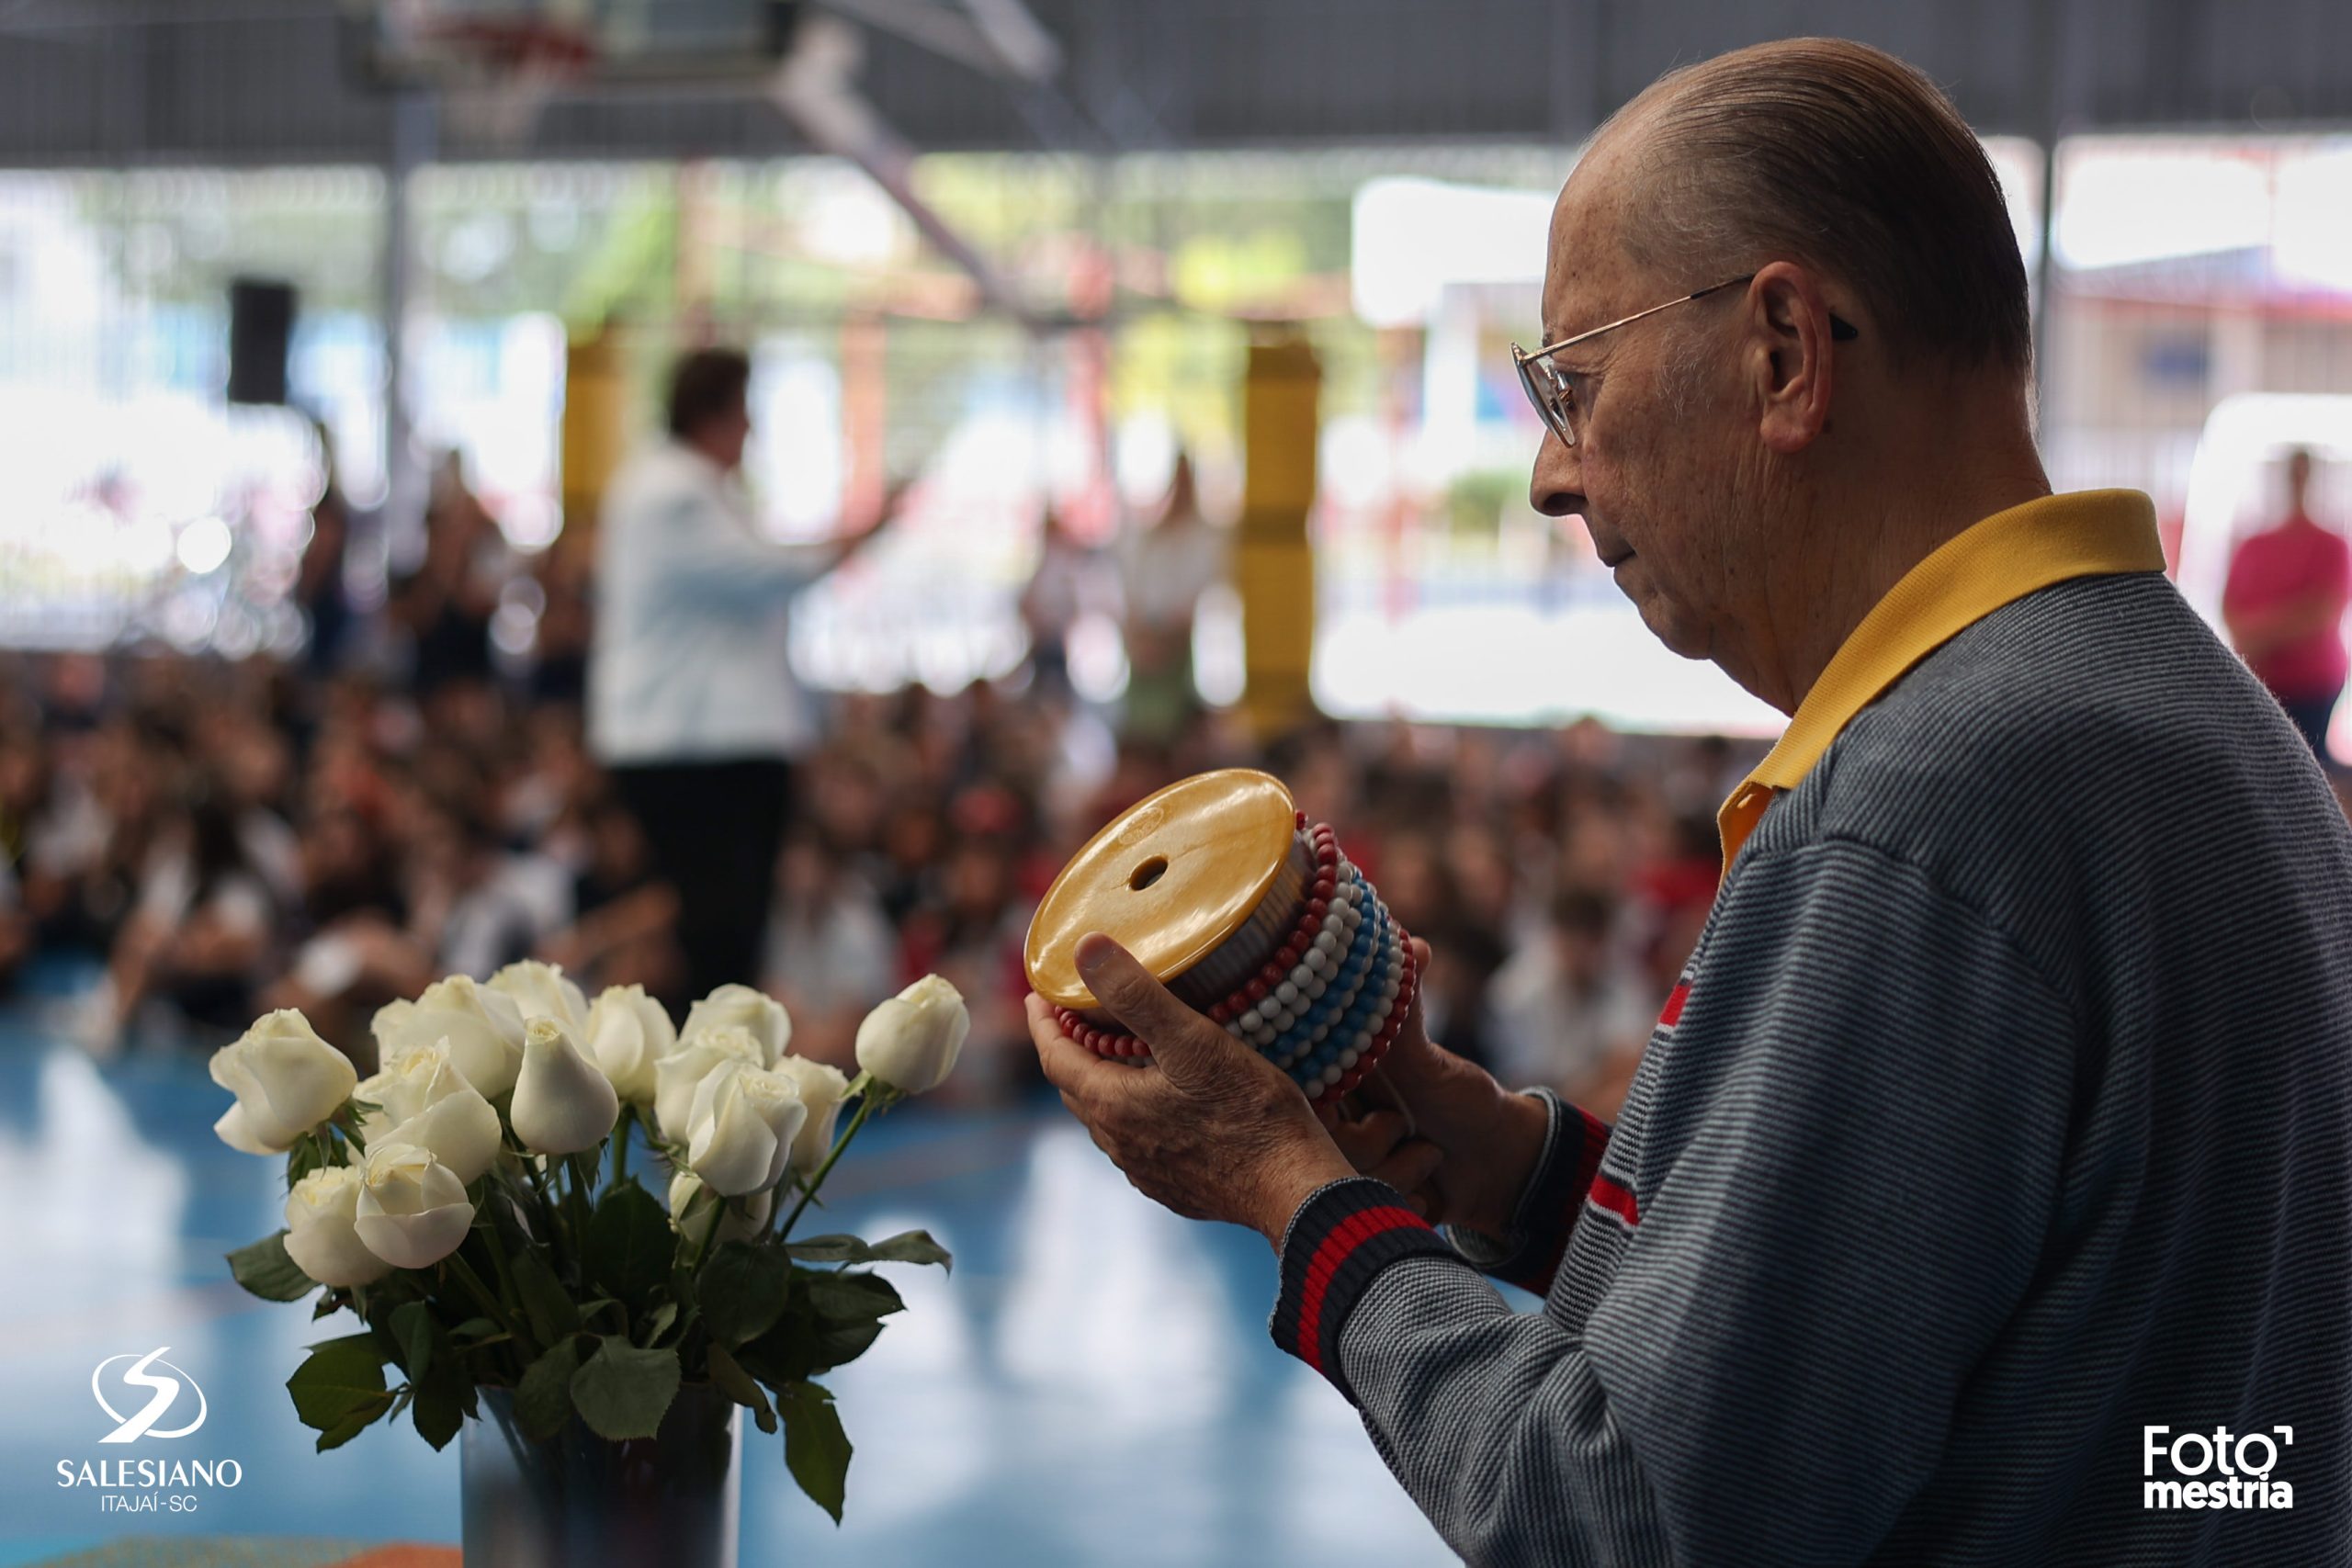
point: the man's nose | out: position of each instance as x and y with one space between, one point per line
1557 489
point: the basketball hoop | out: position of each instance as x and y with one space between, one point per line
497 73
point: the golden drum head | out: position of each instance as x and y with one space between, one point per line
1170 879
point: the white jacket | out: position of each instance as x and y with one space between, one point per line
693 618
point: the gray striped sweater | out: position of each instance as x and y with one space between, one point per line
2003 1116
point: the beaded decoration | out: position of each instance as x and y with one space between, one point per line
1318 980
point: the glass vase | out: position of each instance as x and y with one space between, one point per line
582 1501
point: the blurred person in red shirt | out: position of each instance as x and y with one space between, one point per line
2284 608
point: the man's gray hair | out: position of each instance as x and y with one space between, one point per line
1841 156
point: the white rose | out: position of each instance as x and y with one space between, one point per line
740 1006
679 1074
391 1027
413 1211
821 1088
405 1085
911 1041
745 1217
744 1120
627 1032
539 990
320 1234
286 1082
483 1027
562 1104
457 1128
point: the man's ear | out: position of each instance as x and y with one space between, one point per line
1789 326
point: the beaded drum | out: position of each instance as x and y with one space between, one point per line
1248 913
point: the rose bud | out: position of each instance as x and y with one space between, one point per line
911 1041
483 1026
628 1032
562 1104
539 990
320 1234
821 1088
392 1030
679 1074
745 1217
398 1092
740 1006
405 1085
286 1082
458 1127
413 1211
744 1119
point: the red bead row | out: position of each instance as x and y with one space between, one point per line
1101 1042
1106 1043
1277 968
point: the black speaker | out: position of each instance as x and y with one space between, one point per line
261 324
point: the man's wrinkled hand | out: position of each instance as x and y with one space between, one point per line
1210 1129
1483 1141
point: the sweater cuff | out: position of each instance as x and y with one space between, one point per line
1344 1236
1547 1211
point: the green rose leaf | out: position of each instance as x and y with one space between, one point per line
343 1431
543 1399
837 1345
266 1270
629 1246
416 1332
440 1409
845 1298
309 1154
815 1447
623 1390
545 1303
908 1246
742 1292
658 1321
912 1247
340 1389
728 1376
829 1249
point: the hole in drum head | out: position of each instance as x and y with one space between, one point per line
1148 873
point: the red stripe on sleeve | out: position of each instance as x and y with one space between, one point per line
1673 1013
1345 1237
1618 1200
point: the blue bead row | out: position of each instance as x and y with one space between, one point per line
1338 992
1356 1029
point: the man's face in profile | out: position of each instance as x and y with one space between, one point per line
1655 470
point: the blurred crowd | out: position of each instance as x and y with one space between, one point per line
230 837
215 838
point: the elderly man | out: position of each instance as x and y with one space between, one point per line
1983 1195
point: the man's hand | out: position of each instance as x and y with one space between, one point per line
1210 1129
1486 1139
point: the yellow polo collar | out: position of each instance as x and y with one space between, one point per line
2007 556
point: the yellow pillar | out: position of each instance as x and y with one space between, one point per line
1273 567
596 402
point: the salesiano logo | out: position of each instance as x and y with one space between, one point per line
163 1393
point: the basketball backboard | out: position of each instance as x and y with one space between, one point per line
455 43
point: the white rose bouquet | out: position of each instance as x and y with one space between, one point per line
470 1202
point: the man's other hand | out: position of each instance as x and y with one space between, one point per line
1474 1143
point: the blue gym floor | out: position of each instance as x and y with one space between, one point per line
1093 1384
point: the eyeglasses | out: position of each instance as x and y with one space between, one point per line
1549 390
